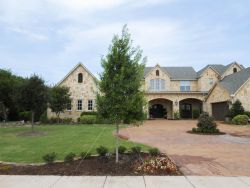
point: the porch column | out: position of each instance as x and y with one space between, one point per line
175 107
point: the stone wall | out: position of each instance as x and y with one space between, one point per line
244 96
230 70
87 90
218 94
204 80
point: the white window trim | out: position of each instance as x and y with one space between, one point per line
185 84
92 105
77 105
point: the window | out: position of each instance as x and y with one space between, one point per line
69 107
80 78
79 105
90 104
235 70
157 85
157 73
211 81
185 86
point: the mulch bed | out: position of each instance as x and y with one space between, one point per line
200 133
94 165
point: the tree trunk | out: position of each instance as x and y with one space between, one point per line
32 120
58 117
117 143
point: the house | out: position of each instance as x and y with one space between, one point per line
170 90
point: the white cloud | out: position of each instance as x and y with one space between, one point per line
29 34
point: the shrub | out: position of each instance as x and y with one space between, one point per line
237 109
154 151
205 122
240 120
69 157
122 149
136 149
26 115
85 155
102 151
196 113
44 118
247 113
89 113
88 119
49 158
66 120
176 115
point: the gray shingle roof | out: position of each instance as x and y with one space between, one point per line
234 81
217 67
177 73
181 73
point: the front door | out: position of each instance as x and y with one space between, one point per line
157 111
186 110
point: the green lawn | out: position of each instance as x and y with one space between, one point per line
61 139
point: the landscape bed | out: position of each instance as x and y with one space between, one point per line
129 164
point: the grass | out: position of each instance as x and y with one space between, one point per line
16 146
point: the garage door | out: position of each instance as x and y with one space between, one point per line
219 110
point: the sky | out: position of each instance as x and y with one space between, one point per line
49 37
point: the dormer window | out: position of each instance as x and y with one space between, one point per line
80 78
235 70
157 73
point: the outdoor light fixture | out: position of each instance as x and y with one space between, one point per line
176 103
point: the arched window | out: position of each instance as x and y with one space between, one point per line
157 72
235 70
80 78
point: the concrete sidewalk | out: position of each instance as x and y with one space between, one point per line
123 182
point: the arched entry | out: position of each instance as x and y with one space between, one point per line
190 107
160 108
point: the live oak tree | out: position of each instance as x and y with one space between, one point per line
121 98
34 96
59 100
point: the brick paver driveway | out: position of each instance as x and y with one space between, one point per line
226 155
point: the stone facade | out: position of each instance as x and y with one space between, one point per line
168 97
85 91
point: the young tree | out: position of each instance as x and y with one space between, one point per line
34 96
237 109
59 100
121 96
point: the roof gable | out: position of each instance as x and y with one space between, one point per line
234 82
78 65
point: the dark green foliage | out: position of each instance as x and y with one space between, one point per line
34 96
44 118
88 119
9 94
89 113
122 149
49 158
206 124
154 151
237 109
102 150
54 120
85 155
247 113
240 120
26 116
136 149
196 113
121 99
59 99
69 157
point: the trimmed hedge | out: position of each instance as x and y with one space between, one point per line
240 120
88 119
196 113
89 113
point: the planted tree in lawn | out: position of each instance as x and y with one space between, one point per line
34 96
237 109
59 100
120 95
